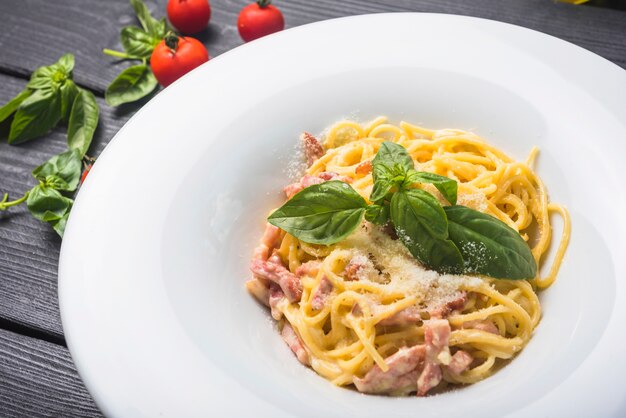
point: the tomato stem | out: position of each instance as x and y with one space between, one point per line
263 3
4 204
171 41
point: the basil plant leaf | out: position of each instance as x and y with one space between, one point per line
59 224
56 182
66 166
324 213
377 214
391 154
137 42
446 186
383 182
489 246
83 122
68 91
52 76
421 224
9 108
47 204
132 84
156 28
35 116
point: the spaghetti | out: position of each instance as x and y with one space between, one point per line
365 312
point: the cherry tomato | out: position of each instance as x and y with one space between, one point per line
259 19
189 16
175 56
85 173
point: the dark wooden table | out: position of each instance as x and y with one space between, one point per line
37 376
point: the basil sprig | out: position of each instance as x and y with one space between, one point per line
451 239
49 97
137 81
47 201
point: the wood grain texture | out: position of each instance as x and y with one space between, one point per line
37 32
29 249
38 379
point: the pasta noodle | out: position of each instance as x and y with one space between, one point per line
365 302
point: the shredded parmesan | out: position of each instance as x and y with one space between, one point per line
388 262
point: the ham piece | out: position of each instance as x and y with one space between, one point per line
295 344
273 270
312 148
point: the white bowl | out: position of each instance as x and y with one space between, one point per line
157 248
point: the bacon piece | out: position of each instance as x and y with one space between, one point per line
295 344
308 180
354 268
270 240
447 308
321 294
460 361
436 337
274 271
312 148
401 375
429 378
364 168
483 325
310 268
407 316
276 295
259 291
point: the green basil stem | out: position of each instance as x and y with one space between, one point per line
117 54
4 204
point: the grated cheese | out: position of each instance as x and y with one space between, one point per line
388 262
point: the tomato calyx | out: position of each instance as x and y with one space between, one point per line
171 41
263 3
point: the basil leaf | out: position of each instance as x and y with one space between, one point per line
59 225
323 213
422 226
43 78
132 84
138 42
55 182
156 28
391 154
83 122
35 116
52 76
66 62
47 204
377 214
8 109
446 186
383 182
68 91
489 246
66 165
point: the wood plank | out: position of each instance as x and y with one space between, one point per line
39 379
85 27
29 249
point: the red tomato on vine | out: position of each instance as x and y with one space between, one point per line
189 16
175 56
259 19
